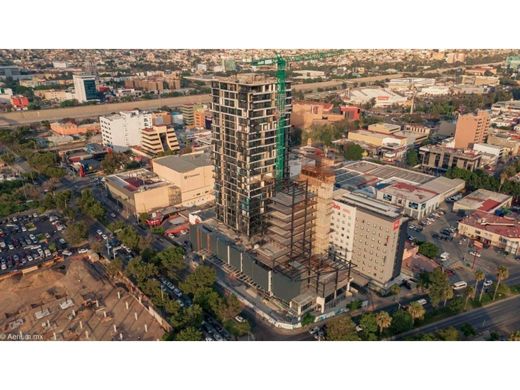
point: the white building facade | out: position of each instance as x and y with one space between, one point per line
122 131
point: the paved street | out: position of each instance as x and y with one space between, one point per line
460 261
501 316
19 118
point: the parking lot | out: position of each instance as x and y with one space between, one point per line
30 239
462 260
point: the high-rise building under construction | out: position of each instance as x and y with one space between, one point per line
250 137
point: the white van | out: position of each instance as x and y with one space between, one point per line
459 285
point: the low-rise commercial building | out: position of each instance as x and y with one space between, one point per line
154 83
491 154
19 102
306 114
408 83
489 229
192 173
441 158
483 200
382 97
55 95
175 181
72 128
416 202
480 80
142 191
510 141
508 106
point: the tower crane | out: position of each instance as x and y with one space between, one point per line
281 97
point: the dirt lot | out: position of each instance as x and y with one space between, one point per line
73 300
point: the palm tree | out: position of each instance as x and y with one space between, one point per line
383 320
515 336
479 276
502 274
447 294
416 310
395 290
469 293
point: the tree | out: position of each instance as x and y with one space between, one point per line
172 260
502 274
383 320
342 329
172 307
440 289
193 315
113 161
368 323
8 158
140 270
230 309
76 233
395 290
429 249
468 330
416 311
189 334
90 206
142 218
352 152
449 334
202 277
401 321
468 293
515 336
412 158
479 276
424 280
307 319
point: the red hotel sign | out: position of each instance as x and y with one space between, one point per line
396 224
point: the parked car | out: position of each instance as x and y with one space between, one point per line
460 285
488 283
239 319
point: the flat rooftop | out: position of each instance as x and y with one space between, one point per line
247 78
409 191
467 153
139 180
184 163
385 172
504 226
367 203
483 200
443 184
376 134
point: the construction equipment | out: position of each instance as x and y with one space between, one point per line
281 97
